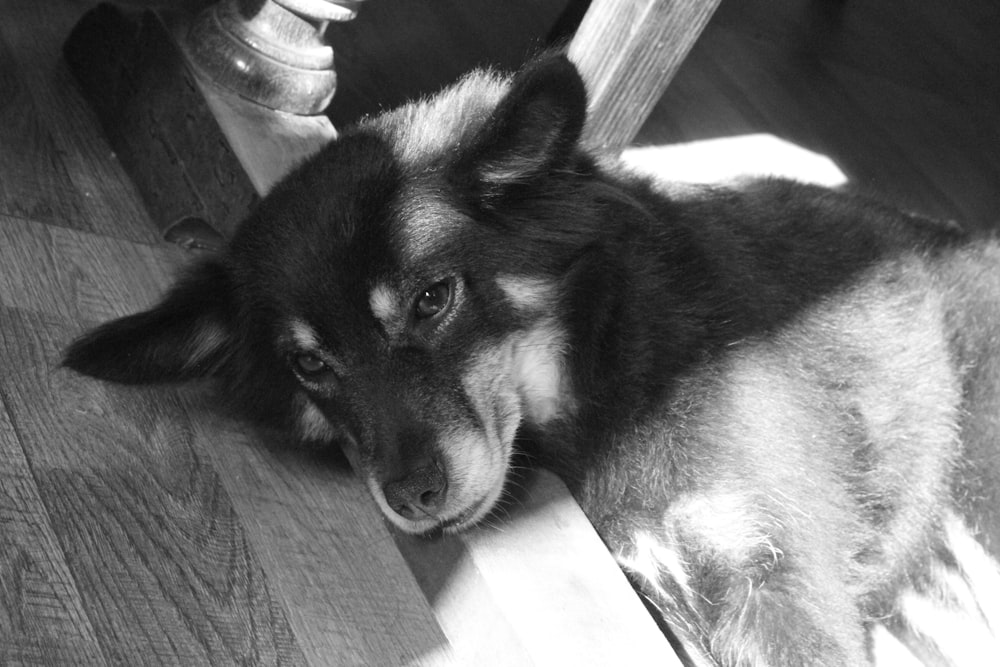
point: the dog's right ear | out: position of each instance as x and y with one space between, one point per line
535 127
187 336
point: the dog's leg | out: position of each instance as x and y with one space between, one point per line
729 587
781 618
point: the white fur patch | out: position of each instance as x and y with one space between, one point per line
538 371
888 651
528 295
959 614
651 559
980 569
429 220
727 522
313 424
477 470
424 129
489 386
384 302
304 335
209 338
478 465
963 639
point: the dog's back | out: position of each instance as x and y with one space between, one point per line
793 481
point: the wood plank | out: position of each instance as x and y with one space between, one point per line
463 605
350 596
808 108
956 147
163 566
573 578
921 45
42 620
80 276
627 54
853 82
99 193
35 183
700 103
543 583
131 71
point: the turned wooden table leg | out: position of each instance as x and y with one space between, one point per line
205 112
272 52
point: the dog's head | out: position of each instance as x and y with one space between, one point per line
403 291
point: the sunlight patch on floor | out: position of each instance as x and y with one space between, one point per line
723 159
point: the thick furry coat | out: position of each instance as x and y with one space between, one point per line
779 405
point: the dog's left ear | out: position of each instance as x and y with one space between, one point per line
536 126
186 336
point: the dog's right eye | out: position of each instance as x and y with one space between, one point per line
434 300
310 365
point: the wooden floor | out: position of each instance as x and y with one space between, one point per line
903 96
138 526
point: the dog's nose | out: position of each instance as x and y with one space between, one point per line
419 494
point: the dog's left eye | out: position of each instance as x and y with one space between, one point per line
434 300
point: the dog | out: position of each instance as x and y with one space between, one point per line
779 405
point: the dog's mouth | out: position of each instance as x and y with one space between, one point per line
474 462
465 519
467 506
448 525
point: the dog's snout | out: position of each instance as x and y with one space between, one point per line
420 494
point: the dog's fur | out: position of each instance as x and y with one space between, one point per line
778 405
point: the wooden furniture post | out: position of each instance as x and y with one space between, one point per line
204 110
628 52
272 52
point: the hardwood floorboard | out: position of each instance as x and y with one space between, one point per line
42 620
325 548
965 176
163 565
35 183
91 180
905 99
79 276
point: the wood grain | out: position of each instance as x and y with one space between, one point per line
42 620
627 54
573 578
163 565
91 179
31 187
268 144
326 549
78 276
817 115
904 98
